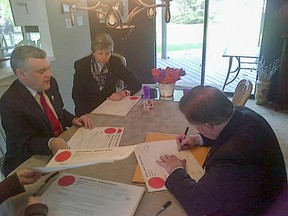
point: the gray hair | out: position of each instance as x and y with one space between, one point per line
102 41
21 54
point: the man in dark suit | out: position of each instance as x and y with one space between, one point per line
25 119
244 169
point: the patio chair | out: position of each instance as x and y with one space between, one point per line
242 92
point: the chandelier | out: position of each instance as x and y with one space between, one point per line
110 12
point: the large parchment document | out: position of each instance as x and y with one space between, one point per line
155 175
118 108
76 195
73 158
98 137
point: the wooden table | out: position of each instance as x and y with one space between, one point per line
165 118
246 59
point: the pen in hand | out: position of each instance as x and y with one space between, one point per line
185 134
45 182
164 206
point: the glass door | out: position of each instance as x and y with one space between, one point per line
229 24
234 29
179 43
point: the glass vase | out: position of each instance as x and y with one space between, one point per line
262 91
166 89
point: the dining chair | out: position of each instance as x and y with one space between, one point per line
242 92
2 144
120 84
123 59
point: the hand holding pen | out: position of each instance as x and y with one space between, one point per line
185 142
40 189
181 142
27 176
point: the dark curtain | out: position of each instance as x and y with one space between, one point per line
275 26
281 95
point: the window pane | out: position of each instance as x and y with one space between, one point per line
9 34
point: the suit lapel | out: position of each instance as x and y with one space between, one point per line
30 102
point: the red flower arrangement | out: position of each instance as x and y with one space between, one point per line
168 75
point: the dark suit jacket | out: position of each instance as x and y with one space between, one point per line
11 186
26 126
85 92
244 171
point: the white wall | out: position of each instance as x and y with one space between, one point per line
24 14
69 45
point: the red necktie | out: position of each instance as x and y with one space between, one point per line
56 125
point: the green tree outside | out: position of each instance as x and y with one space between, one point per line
188 11
7 24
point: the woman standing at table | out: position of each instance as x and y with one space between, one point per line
13 185
96 76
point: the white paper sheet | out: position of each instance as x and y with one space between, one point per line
73 158
155 175
76 195
98 137
118 108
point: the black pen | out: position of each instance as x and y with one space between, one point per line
164 206
37 193
185 134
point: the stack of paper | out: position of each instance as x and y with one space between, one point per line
73 158
155 175
118 108
98 137
76 195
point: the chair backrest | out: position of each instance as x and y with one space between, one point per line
120 84
242 92
123 59
2 143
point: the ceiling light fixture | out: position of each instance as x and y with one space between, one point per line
111 12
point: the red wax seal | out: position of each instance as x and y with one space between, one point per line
110 130
156 182
63 156
133 98
66 180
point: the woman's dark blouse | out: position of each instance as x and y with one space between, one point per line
86 94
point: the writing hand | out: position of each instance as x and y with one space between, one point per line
188 142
